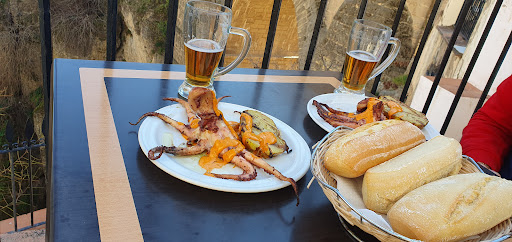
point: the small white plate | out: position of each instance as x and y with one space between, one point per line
294 164
348 103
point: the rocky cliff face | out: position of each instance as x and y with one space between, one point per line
78 31
141 30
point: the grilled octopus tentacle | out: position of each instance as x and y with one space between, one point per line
220 98
332 110
199 148
248 174
190 113
362 105
181 127
270 169
337 119
378 112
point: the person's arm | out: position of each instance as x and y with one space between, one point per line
488 136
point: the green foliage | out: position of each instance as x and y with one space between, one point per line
400 80
143 6
37 99
154 14
160 39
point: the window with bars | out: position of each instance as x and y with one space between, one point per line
471 18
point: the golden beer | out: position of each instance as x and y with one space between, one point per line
202 56
357 69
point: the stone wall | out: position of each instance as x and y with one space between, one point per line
330 51
306 12
345 11
136 46
255 17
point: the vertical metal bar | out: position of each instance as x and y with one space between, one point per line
362 8
172 15
46 62
398 16
229 4
111 30
447 53
29 131
471 65
316 31
423 41
494 73
271 33
14 195
30 184
46 57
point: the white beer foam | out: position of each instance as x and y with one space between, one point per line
204 45
363 55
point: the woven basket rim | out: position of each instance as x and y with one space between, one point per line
361 216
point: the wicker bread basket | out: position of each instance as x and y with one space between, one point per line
344 209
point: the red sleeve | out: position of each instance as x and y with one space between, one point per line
488 136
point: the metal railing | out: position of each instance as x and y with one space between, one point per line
171 27
13 150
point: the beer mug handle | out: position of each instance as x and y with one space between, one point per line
394 52
247 43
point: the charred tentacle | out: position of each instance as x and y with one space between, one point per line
332 110
378 112
220 98
336 118
248 174
190 113
258 162
199 148
181 127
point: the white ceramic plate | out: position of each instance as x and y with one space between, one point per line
295 164
348 103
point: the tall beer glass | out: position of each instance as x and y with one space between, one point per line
367 43
206 28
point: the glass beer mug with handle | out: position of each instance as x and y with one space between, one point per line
367 42
206 28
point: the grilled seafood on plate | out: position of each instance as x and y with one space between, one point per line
224 142
370 110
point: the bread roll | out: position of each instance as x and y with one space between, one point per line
384 184
369 145
453 208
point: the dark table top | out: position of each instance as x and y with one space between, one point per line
102 186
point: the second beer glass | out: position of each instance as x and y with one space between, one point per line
206 28
367 43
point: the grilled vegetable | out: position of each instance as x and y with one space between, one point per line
407 113
262 124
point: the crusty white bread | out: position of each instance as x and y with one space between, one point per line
384 184
453 208
369 145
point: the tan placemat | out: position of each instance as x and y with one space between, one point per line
117 217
